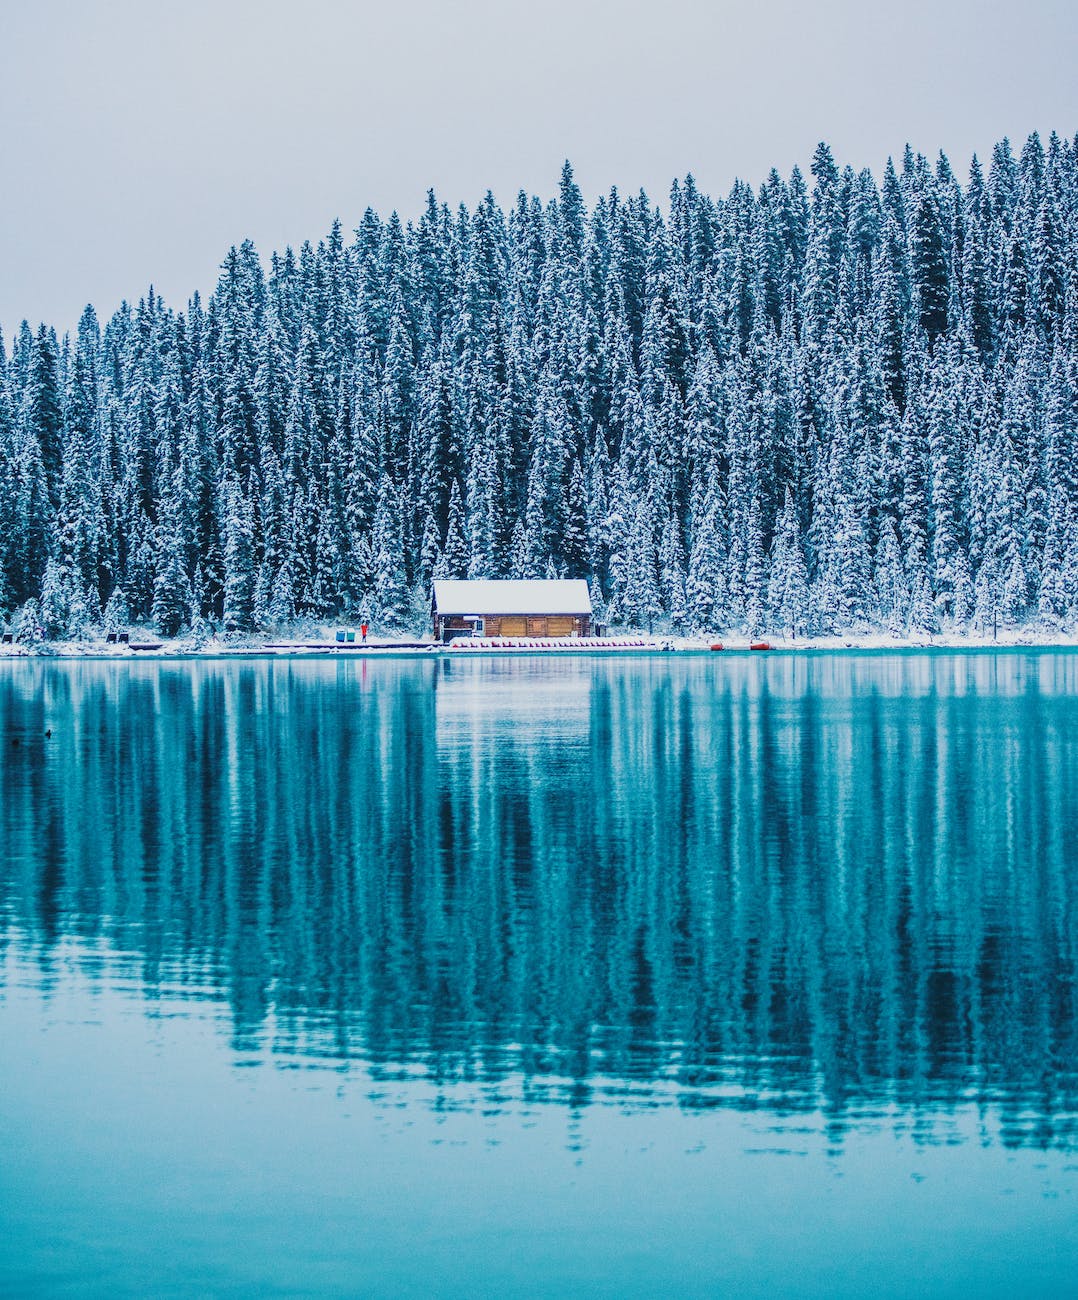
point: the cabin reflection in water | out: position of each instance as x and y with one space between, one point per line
502 703
835 886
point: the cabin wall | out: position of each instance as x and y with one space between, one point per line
541 625
515 625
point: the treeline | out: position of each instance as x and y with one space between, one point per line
811 408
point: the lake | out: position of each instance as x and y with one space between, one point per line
663 975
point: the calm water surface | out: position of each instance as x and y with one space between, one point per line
676 975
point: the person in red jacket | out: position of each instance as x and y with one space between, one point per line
363 630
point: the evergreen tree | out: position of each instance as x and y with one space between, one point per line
454 562
929 266
238 529
788 592
575 547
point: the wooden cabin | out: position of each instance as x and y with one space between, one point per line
525 607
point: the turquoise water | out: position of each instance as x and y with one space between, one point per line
693 975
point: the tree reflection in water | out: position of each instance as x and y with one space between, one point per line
845 884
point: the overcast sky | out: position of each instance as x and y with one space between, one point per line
140 139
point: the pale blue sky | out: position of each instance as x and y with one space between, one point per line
140 139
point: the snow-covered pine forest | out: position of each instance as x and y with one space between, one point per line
817 405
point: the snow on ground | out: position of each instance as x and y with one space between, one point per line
323 639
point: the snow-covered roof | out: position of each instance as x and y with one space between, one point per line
512 596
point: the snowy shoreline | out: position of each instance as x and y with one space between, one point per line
625 643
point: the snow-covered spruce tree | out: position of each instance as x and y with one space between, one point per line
26 624
389 601
892 593
575 539
672 574
239 555
55 609
27 516
171 608
116 615
454 557
788 590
